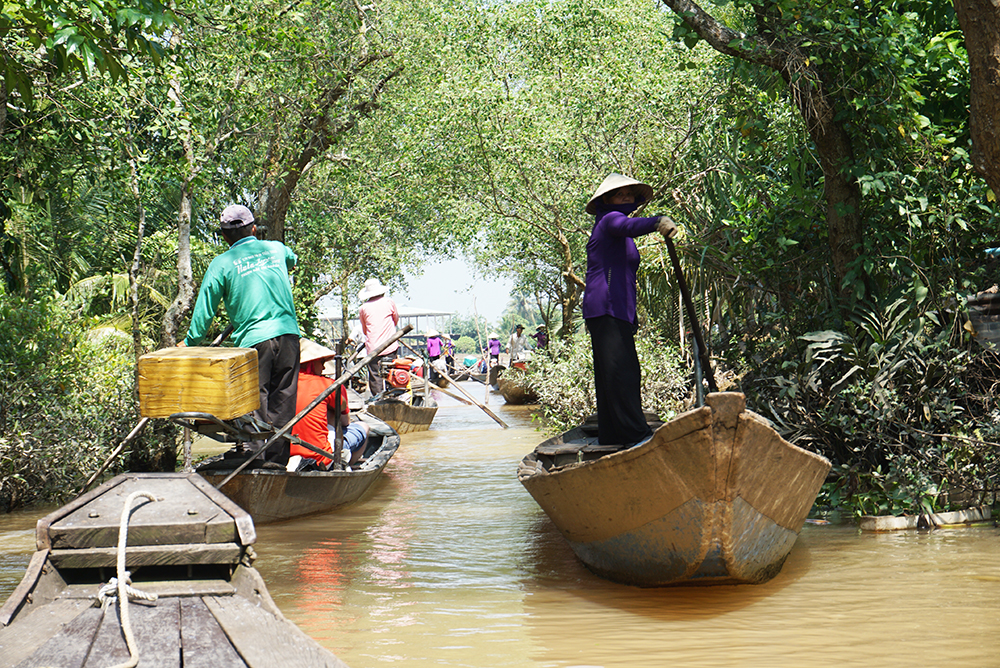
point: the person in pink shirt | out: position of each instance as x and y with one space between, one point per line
379 317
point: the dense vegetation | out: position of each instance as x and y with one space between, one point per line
818 157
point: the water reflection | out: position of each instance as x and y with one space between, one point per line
449 562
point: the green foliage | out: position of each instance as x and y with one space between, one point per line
38 37
68 400
563 378
466 344
888 401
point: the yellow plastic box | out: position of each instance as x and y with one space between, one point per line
219 381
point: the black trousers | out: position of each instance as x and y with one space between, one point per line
618 382
376 381
278 373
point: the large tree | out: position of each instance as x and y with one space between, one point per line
980 21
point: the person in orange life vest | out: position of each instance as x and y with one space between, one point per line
316 426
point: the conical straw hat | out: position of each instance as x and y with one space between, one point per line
613 182
310 350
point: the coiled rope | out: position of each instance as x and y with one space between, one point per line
121 586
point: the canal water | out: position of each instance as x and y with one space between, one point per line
449 562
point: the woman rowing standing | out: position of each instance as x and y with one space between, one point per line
609 305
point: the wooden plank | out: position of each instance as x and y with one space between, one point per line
183 516
20 593
148 555
42 538
265 640
203 642
244 523
66 647
162 589
156 627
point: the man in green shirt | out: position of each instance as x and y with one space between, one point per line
252 279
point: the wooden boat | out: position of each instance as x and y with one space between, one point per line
494 376
956 518
984 317
191 548
404 411
516 393
716 496
272 495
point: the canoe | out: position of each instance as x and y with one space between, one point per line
716 496
273 495
405 413
191 548
956 518
516 394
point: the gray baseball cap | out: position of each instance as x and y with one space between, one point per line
235 216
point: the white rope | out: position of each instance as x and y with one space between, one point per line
122 583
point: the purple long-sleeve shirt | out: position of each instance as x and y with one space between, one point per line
612 262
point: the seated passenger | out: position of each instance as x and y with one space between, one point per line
317 427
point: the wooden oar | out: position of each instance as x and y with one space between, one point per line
462 390
141 425
702 352
346 376
424 384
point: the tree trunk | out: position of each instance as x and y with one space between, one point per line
183 302
833 144
980 21
133 272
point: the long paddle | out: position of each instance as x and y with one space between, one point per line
141 424
460 388
701 352
346 376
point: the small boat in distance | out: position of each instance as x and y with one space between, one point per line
716 496
200 601
274 494
404 410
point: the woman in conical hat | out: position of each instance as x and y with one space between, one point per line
609 305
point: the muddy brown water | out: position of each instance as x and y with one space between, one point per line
449 562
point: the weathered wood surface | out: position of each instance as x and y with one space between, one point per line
148 555
28 582
716 496
219 381
403 417
91 520
54 624
924 521
203 642
516 394
266 641
156 626
42 625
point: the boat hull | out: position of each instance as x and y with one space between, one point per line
191 547
403 417
715 497
516 394
276 495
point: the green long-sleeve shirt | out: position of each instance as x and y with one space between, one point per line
252 278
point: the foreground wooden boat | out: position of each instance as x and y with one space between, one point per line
192 548
272 495
406 412
716 496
